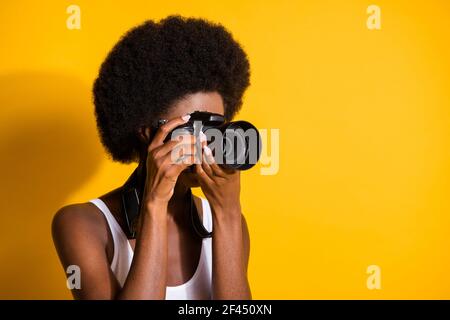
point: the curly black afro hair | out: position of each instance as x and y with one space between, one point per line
154 65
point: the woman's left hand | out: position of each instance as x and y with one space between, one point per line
221 186
230 241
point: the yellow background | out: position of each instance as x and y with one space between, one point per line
364 140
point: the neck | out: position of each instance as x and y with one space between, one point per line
179 205
180 193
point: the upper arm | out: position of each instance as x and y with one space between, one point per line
78 240
246 240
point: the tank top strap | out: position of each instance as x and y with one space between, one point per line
123 253
207 215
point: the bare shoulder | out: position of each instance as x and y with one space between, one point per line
78 220
80 237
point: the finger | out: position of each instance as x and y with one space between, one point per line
172 171
203 139
206 167
182 152
183 163
165 129
187 145
203 177
183 160
214 168
187 142
164 149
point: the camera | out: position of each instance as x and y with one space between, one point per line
235 145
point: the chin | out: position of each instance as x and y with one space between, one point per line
189 179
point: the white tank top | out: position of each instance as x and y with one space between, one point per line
196 288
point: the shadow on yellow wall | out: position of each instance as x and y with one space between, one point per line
48 150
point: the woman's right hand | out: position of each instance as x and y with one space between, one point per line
165 162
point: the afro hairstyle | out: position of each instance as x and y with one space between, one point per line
157 63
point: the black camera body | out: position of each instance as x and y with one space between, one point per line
236 145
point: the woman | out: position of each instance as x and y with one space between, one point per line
163 70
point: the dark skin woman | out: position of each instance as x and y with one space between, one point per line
166 250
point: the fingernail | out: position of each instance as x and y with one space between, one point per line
186 117
203 137
208 155
207 151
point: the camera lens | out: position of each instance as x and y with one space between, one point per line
241 147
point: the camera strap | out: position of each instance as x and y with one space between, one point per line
131 205
131 202
197 224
